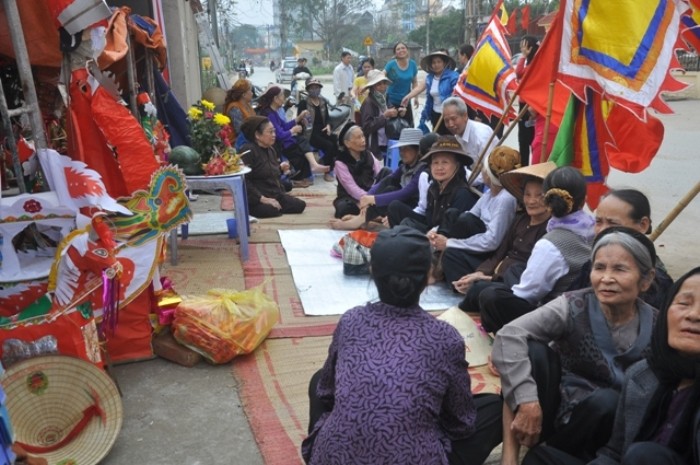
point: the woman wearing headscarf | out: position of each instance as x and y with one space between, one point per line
562 365
439 84
267 197
409 402
374 113
357 169
238 104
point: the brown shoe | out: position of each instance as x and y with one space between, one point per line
304 183
328 177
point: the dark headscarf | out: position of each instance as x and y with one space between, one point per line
670 367
667 363
251 125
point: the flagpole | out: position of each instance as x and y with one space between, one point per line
547 122
476 167
675 212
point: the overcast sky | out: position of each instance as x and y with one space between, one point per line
258 12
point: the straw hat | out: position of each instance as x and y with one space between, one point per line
374 77
514 181
46 398
427 60
448 144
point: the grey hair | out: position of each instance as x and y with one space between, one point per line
640 253
349 132
457 103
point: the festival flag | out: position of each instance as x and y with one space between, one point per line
485 82
690 22
525 18
503 14
512 26
597 134
623 49
541 72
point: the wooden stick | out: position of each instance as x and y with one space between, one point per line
675 212
547 122
476 167
437 125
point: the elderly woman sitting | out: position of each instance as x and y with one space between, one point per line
294 147
399 186
411 403
238 105
562 365
266 196
657 419
357 169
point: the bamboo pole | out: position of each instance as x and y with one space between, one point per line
675 212
547 122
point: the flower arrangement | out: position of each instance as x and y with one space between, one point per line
210 132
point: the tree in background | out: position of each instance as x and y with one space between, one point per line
331 21
446 31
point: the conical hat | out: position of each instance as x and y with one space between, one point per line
514 181
47 397
477 341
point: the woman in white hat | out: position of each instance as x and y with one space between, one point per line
374 113
439 83
399 186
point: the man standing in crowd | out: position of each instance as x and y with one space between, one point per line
343 76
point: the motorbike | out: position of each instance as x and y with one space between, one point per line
338 115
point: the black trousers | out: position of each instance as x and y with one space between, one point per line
499 306
459 262
328 143
511 277
398 211
473 450
526 134
590 424
289 204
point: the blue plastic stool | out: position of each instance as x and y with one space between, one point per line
392 158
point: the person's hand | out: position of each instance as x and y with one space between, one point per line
385 221
296 129
438 241
284 166
272 202
327 129
402 111
404 101
463 284
527 424
416 103
366 201
391 113
302 115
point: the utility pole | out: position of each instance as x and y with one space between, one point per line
213 14
427 26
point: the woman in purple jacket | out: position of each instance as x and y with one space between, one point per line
395 387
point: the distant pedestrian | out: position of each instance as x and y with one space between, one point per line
343 76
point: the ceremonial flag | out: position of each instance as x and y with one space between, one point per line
525 18
598 134
486 80
503 14
512 26
541 72
623 49
690 22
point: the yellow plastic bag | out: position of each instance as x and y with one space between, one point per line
225 323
